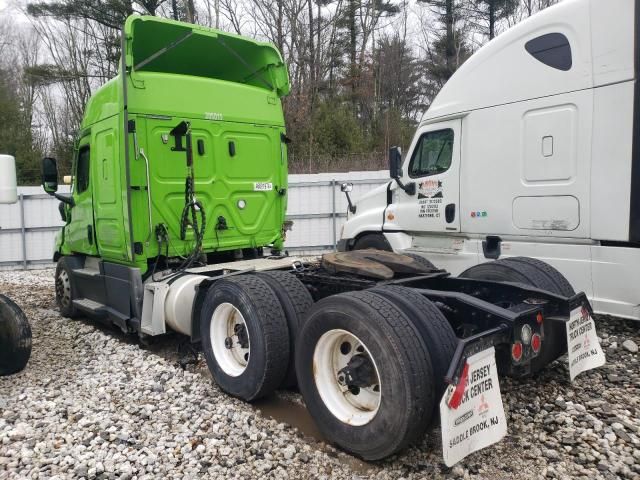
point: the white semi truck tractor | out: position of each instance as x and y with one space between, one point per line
15 332
531 149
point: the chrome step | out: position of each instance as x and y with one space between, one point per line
87 272
90 306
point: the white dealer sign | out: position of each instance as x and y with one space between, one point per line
477 420
583 345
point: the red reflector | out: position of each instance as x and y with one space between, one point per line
516 351
539 318
456 397
536 342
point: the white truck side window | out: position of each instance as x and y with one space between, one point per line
433 154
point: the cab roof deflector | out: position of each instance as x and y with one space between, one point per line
165 46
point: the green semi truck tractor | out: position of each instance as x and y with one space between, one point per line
179 183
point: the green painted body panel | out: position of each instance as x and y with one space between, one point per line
80 236
228 88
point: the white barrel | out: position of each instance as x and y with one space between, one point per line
8 189
179 301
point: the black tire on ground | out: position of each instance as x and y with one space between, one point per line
434 328
420 260
267 330
372 240
65 289
15 337
295 300
535 273
402 361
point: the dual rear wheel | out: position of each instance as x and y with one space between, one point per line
249 325
370 365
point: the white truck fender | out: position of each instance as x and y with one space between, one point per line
399 240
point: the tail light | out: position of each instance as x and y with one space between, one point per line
516 351
536 342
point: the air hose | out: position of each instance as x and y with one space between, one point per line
192 206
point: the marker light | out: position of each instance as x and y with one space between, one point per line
536 342
516 351
539 318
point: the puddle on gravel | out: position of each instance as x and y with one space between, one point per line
291 413
294 414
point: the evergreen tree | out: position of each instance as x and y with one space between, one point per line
492 11
449 49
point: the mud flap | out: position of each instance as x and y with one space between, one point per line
584 350
471 412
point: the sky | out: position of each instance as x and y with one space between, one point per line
7 7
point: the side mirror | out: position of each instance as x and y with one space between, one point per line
395 162
346 187
50 175
395 170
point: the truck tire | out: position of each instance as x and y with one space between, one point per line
245 338
392 405
420 260
537 274
563 287
65 290
372 240
436 331
295 300
15 337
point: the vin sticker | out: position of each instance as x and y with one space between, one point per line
478 420
262 186
585 352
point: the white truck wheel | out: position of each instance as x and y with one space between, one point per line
385 398
229 339
245 338
64 289
334 351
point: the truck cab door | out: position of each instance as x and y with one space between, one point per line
80 234
433 166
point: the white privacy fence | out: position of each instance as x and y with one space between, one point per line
316 206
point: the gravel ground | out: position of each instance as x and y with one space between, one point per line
94 404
